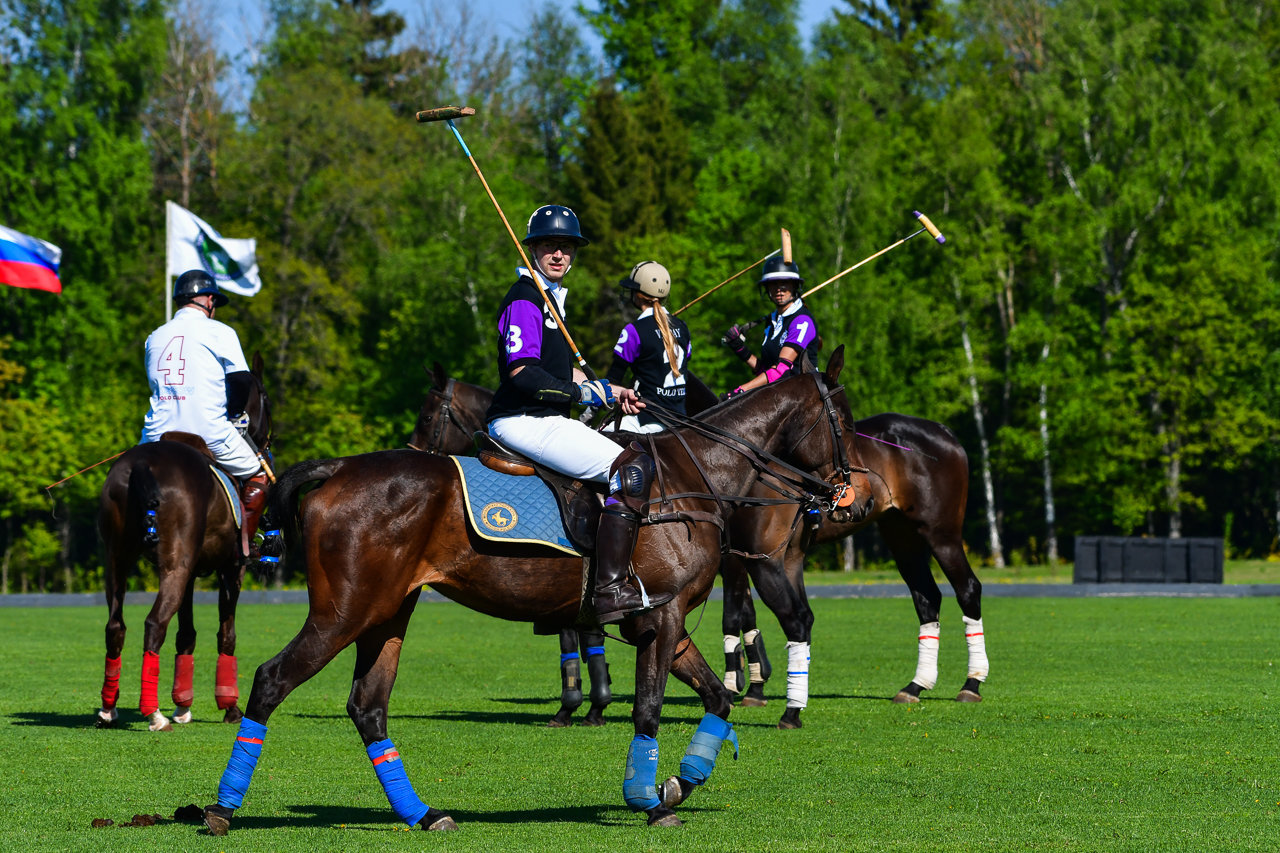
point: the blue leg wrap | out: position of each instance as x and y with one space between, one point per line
592 651
395 782
244 760
640 784
565 657
700 758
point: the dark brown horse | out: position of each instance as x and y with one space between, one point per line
449 417
161 501
920 484
377 527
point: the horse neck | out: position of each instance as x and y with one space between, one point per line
765 419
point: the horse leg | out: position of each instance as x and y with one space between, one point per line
176 588
319 641
758 666
377 660
738 612
570 680
717 700
226 687
598 670
780 585
184 661
911 553
119 558
968 589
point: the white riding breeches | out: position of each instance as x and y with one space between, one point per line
563 444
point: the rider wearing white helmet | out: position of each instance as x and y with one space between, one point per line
655 347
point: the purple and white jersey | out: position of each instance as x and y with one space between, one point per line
794 327
528 335
188 359
641 348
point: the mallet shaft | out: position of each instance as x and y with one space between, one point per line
740 272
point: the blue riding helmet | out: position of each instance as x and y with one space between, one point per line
554 220
193 283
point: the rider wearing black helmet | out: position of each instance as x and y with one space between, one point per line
791 333
538 384
200 384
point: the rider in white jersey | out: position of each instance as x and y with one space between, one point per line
199 379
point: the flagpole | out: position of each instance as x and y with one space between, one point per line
168 291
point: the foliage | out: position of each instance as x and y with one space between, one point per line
1105 175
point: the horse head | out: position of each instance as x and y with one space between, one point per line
843 463
258 407
450 415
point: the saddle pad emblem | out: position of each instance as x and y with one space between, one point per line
503 508
499 517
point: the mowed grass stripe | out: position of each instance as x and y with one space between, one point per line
1109 724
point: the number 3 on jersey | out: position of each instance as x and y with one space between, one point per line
172 364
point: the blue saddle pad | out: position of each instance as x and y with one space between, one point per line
505 508
233 494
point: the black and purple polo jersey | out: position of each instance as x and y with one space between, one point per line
528 335
796 328
640 347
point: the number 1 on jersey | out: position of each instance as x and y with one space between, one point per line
172 364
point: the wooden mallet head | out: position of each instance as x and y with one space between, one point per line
786 246
930 227
445 113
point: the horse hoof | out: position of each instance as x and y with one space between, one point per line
905 698
217 819
663 816
675 791
752 702
437 821
593 718
106 719
562 720
233 715
790 719
159 723
182 715
969 696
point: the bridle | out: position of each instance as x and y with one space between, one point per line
440 421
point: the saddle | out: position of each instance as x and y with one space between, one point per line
580 503
230 483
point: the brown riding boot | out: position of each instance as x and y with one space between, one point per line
614 598
253 494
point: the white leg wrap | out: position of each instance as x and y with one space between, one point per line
927 661
978 665
108 716
732 646
797 675
182 714
753 669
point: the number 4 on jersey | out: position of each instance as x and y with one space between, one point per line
172 364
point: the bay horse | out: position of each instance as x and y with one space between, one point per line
161 501
920 486
375 528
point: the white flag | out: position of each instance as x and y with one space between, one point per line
193 245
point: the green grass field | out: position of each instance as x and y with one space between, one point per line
1109 724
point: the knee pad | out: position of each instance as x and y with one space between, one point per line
632 477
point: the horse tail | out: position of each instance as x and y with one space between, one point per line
284 503
144 499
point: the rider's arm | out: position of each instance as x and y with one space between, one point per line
773 374
239 384
534 381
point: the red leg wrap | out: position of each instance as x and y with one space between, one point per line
183 675
149 702
111 684
225 690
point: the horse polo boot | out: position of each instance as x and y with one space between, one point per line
630 478
253 494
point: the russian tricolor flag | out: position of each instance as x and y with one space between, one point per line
28 262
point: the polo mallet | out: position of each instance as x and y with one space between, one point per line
926 225
447 115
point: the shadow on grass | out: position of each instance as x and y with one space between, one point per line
382 819
126 721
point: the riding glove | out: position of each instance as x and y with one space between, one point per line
595 393
737 343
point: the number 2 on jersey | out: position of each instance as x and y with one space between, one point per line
172 364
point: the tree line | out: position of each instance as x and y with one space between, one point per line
1099 330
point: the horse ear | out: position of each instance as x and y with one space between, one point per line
834 365
439 378
256 369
